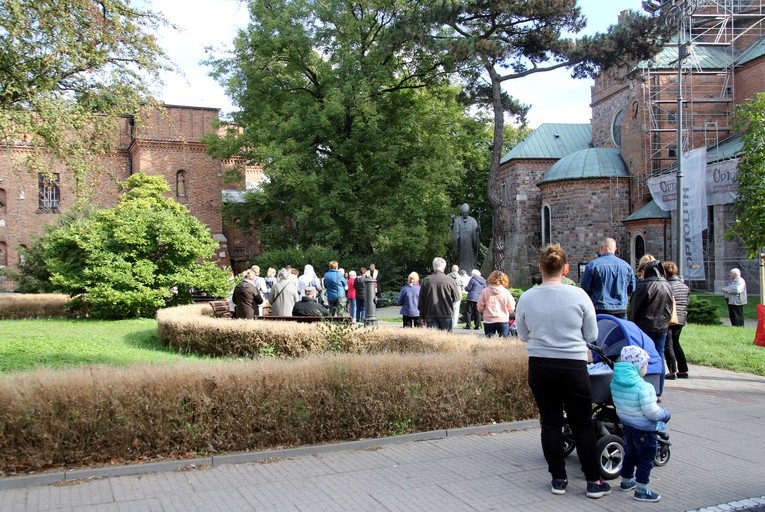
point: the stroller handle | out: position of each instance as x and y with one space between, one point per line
601 353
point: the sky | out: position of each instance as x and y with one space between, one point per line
554 96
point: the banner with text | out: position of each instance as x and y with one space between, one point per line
720 180
694 215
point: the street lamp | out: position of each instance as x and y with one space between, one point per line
675 14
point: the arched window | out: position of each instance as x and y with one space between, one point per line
638 248
3 254
22 258
180 184
546 227
2 201
616 128
48 192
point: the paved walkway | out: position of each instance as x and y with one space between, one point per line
718 457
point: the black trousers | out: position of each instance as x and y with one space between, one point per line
736 314
562 385
472 314
673 351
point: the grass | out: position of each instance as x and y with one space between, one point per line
750 309
34 344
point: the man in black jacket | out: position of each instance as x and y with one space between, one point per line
309 306
438 294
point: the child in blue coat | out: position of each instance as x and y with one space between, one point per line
637 407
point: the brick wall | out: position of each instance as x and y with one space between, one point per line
584 212
168 142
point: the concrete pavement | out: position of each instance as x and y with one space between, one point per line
718 457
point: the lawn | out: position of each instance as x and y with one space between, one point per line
750 310
30 344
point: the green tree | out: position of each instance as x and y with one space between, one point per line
495 41
360 136
68 70
749 205
127 261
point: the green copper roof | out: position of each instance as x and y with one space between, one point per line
552 140
587 164
700 56
755 50
648 211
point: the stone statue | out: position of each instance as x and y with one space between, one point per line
465 234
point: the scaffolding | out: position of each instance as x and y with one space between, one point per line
714 33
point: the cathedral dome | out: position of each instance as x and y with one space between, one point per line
588 164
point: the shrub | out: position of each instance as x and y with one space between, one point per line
702 311
43 305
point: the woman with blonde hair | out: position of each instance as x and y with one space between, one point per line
496 303
556 321
408 299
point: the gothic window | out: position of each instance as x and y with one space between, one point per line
616 128
3 254
49 193
639 250
22 258
2 201
180 183
546 228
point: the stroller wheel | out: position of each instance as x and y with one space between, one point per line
610 450
568 440
662 455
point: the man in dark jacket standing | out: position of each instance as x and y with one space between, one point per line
474 288
309 306
438 294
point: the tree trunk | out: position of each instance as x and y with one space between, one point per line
494 192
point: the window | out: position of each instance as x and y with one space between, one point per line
546 230
672 152
3 254
2 200
22 258
671 118
616 128
48 192
639 250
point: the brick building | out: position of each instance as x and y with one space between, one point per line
169 143
575 184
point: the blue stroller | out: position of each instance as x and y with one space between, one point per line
614 334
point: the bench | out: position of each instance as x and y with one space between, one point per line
309 319
220 309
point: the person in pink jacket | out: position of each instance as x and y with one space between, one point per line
496 303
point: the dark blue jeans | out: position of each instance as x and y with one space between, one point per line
442 323
659 339
499 328
558 385
639 452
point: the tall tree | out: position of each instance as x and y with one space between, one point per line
495 41
68 69
749 205
359 133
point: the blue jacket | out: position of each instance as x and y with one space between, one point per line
635 399
334 283
609 281
408 298
474 288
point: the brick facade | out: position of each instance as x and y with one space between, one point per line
169 144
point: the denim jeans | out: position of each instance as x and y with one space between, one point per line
659 339
360 310
500 328
562 385
352 308
639 453
442 323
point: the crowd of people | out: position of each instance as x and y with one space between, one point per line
288 292
654 298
